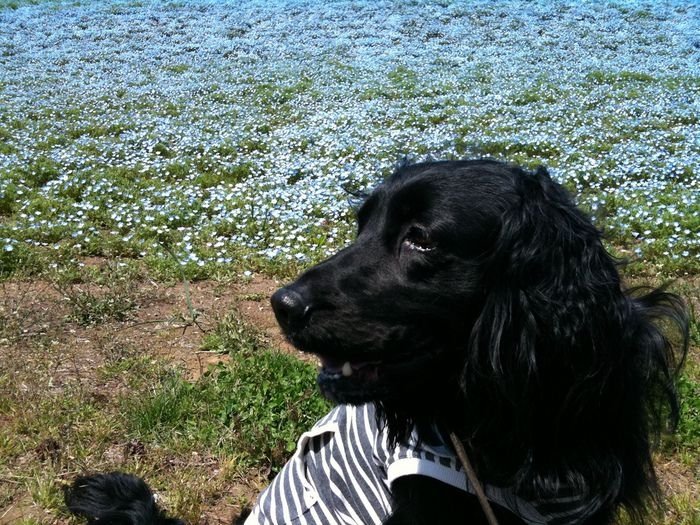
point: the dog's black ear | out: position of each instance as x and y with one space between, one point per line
552 285
579 370
557 332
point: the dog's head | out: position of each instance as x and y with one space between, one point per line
399 307
474 279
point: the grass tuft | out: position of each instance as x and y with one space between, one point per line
253 408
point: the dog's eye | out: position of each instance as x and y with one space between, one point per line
418 239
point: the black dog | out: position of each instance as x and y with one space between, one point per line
478 300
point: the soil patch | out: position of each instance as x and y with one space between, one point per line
164 324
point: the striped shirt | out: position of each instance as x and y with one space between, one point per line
342 470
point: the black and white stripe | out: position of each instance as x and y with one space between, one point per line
342 470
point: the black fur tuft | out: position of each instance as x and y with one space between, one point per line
115 499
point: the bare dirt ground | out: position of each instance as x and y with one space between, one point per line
160 326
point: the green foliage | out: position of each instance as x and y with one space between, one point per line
177 170
695 332
403 76
170 109
233 334
254 408
163 150
90 308
274 400
614 78
177 68
540 92
271 94
212 176
92 304
252 144
402 83
39 171
525 153
165 268
689 427
18 259
9 198
5 136
45 492
97 131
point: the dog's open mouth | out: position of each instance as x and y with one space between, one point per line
355 380
360 370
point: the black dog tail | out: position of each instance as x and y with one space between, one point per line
115 499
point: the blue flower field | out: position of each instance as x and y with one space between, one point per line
164 165
230 131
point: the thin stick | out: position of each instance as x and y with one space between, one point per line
476 484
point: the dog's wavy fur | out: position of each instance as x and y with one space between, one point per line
115 499
496 313
579 368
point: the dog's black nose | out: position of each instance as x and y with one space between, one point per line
290 308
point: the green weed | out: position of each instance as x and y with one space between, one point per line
163 150
252 144
233 334
214 175
271 94
19 260
616 78
91 304
44 490
688 436
163 268
177 170
38 172
527 154
177 68
276 400
540 92
253 408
